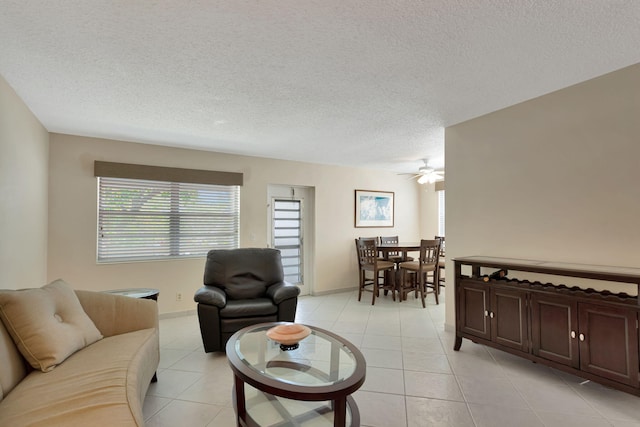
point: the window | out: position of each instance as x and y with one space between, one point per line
287 237
441 213
151 220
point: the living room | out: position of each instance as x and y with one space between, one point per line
554 177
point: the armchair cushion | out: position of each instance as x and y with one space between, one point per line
249 308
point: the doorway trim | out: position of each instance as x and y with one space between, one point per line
307 197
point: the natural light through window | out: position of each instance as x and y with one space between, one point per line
441 213
150 220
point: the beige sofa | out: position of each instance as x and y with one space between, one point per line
102 384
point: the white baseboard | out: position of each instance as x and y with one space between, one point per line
177 314
334 291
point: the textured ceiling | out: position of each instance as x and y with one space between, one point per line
366 83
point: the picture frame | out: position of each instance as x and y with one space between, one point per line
374 208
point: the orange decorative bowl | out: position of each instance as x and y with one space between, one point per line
288 335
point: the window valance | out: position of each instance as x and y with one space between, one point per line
161 173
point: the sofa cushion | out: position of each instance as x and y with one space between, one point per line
13 368
47 324
105 383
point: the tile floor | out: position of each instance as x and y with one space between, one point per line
414 378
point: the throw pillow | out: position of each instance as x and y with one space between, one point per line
47 324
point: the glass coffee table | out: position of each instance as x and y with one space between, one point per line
309 385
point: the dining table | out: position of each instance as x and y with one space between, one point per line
385 248
403 247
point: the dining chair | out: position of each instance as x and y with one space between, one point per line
414 274
368 261
441 263
363 280
394 256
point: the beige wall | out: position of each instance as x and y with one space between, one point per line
24 146
72 215
556 177
429 211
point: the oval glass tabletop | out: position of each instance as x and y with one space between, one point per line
319 360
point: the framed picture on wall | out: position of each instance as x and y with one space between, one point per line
374 208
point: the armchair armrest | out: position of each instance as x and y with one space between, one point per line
282 291
211 295
118 314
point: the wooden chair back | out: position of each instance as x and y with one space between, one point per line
429 253
390 240
367 251
441 238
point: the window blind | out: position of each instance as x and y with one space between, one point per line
145 219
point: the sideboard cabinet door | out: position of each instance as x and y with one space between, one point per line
554 328
509 318
473 313
609 342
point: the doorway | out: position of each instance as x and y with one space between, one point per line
290 230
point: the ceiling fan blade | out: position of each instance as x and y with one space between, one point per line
427 174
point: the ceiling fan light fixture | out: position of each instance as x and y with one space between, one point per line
427 174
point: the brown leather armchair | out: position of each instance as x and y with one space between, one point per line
242 287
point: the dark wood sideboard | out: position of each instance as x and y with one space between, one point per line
589 333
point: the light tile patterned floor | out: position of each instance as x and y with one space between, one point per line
414 378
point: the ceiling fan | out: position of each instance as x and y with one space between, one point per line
427 174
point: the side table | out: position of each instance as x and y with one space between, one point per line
146 293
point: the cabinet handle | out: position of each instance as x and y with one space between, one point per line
491 314
486 313
573 334
581 337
